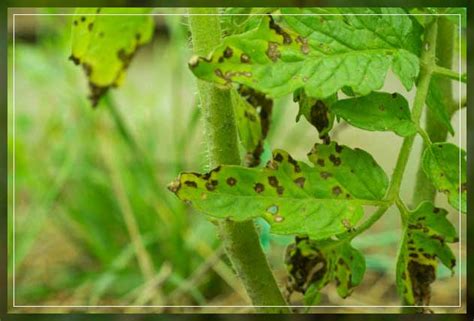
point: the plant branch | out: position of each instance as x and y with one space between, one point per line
436 131
448 73
426 72
240 240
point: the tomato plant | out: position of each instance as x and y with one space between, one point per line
334 63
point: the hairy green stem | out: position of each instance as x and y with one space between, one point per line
241 240
436 131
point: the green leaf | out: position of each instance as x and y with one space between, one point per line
377 111
424 243
316 111
436 101
104 45
321 55
314 264
294 198
445 165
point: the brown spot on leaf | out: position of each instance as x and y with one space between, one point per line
231 181
335 160
273 181
320 162
259 187
421 276
190 184
338 148
336 190
244 58
394 95
279 30
74 59
325 175
228 52
272 51
278 157
90 26
300 181
280 190
210 186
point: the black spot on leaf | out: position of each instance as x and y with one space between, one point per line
300 181
273 181
190 184
259 187
231 181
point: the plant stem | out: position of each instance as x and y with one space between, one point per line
240 240
427 61
436 131
448 73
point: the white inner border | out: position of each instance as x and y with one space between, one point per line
234 306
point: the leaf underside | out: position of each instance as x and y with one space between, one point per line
295 198
377 111
105 44
424 243
314 264
321 54
445 165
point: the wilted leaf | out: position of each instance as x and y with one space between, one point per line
295 198
316 111
445 165
314 264
105 44
253 113
424 243
377 111
320 54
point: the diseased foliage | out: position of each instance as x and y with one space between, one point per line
321 55
319 201
314 58
104 43
314 264
445 165
316 55
424 243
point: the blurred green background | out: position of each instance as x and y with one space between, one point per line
90 185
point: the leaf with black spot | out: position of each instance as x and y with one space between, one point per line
424 243
320 201
445 165
312 265
104 45
316 111
378 111
320 54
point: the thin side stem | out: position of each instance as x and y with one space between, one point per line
450 74
241 240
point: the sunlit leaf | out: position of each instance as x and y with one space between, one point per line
319 201
104 43
424 243
320 54
314 264
377 111
445 165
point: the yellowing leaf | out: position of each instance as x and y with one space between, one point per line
295 198
104 44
